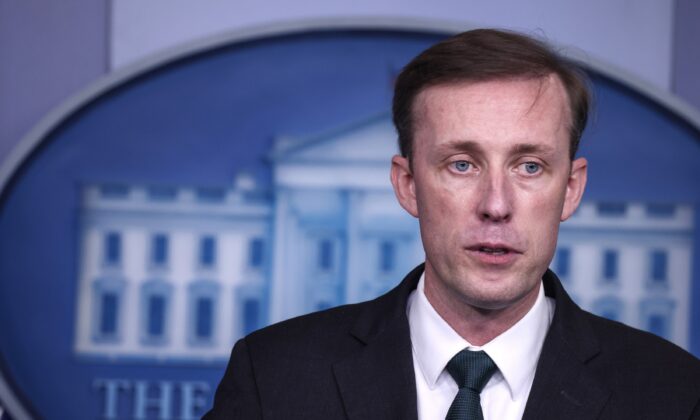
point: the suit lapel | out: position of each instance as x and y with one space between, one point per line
563 387
378 381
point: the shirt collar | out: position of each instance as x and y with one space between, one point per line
515 351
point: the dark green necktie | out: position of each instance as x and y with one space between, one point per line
471 370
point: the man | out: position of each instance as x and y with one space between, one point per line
488 123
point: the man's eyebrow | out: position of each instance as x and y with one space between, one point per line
525 148
467 146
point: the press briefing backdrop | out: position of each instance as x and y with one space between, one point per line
192 203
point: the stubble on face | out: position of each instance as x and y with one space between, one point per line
488 225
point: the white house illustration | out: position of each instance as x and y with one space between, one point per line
631 262
175 273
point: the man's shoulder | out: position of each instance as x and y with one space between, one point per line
298 368
627 351
623 371
615 349
310 333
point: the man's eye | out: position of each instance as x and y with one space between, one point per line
462 165
531 167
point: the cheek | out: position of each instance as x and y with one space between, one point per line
545 204
541 219
435 197
441 212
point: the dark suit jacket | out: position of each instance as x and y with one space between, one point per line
355 362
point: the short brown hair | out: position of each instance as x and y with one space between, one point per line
484 55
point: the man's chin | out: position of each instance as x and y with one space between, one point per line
489 296
491 304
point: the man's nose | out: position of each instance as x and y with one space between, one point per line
496 198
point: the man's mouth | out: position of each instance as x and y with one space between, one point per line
494 251
491 248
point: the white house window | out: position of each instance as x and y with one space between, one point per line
657 316
203 306
563 262
251 315
609 307
612 209
610 265
156 316
658 324
326 250
204 315
164 194
155 310
108 294
112 248
659 266
114 191
256 253
108 315
659 210
207 252
387 256
159 249
211 195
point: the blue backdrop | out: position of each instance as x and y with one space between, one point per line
204 118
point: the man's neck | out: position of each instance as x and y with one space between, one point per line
477 325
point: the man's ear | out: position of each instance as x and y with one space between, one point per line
404 185
574 187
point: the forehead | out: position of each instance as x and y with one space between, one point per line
498 112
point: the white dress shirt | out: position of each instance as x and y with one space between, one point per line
515 352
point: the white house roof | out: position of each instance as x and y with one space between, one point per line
372 140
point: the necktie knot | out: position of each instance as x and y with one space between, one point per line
471 369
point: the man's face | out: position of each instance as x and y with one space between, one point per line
490 180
